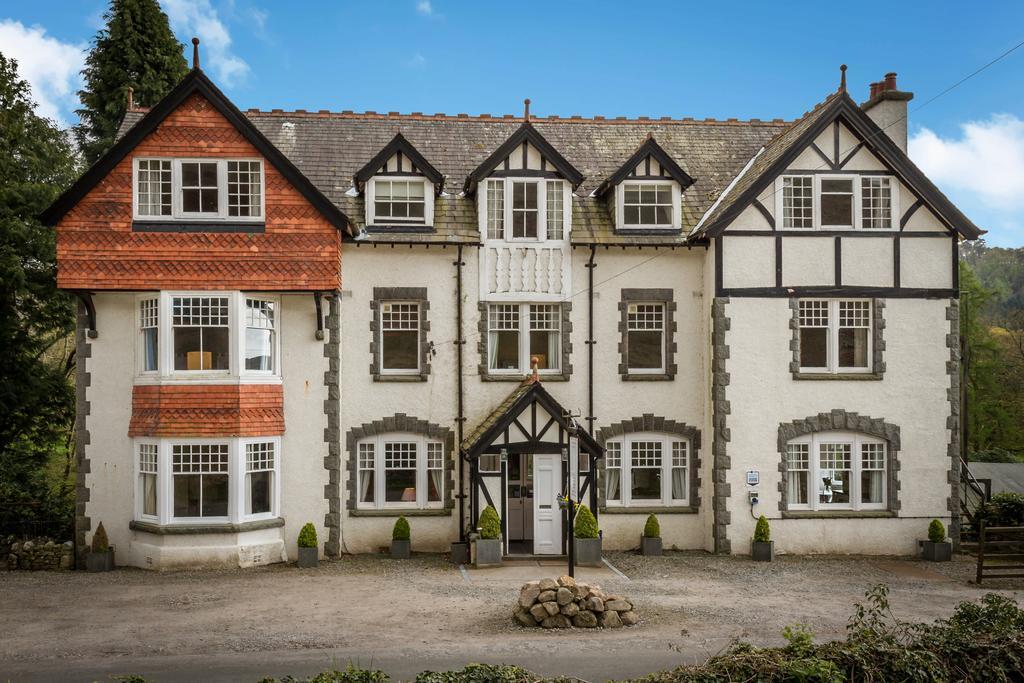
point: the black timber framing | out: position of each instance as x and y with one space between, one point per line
525 133
224 226
399 145
649 148
843 108
195 82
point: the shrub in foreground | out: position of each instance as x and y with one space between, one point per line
586 523
490 523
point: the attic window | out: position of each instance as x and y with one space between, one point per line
648 204
190 189
397 202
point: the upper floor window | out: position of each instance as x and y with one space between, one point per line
400 471
648 204
191 334
645 338
400 337
835 335
399 201
838 202
217 189
836 470
517 333
525 209
647 469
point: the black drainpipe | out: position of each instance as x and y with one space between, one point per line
590 339
459 343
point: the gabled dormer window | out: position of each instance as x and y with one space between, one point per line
648 190
399 201
198 189
525 209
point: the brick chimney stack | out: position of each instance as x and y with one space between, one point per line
887 106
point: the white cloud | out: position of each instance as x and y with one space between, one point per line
199 18
417 61
424 7
50 66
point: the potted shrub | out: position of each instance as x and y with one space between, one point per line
488 545
401 546
100 557
937 548
650 542
308 551
588 540
762 548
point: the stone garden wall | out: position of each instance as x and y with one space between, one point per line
564 603
36 553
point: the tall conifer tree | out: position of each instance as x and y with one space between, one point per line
136 49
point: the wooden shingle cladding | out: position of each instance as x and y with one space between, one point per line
207 410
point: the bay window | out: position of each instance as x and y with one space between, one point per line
188 481
647 469
518 333
836 470
198 189
519 209
838 202
197 334
835 335
400 471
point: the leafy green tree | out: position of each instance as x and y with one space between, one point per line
36 321
136 49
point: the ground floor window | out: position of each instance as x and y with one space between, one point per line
836 470
400 471
647 469
207 480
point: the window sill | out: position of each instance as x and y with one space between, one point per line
218 379
837 514
652 377
523 378
857 376
198 225
649 510
399 378
216 528
399 512
400 227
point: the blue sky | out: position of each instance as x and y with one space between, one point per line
718 60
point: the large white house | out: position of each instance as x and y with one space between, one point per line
347 317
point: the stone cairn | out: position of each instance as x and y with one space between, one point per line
564 603
37 553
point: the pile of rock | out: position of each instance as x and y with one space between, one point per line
564 603
37 553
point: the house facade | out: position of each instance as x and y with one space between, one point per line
346 317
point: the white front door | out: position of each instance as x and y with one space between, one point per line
547 516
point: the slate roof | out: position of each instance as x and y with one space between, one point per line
329 148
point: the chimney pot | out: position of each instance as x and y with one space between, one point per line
890 80
526 109
874 90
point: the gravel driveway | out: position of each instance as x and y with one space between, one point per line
405 616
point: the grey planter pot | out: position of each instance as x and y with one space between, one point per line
308 557
762 551
650 546
401 550
488 552
937 552
99 562
588 552
460 553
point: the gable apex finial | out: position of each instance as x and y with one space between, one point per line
526 109
842 78
195 53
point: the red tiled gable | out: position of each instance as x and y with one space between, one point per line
207 410
97 250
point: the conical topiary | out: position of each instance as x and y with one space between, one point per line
762 532
401 532
936 532
307 536
100 544
586 523
652 529
490 523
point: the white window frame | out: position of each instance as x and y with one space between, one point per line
236 480
140 346
419 340
855 440
178 213
858 201
236 341
667 441
422 472
525 366
660 370
370 195
780 194
620 195
542 210
832 353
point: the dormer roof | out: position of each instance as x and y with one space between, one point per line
649 150
525 133
399 145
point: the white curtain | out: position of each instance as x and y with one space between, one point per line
796 488
436 478
492 350
365 482
679 483
874 488
149 493
611 482
553 350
